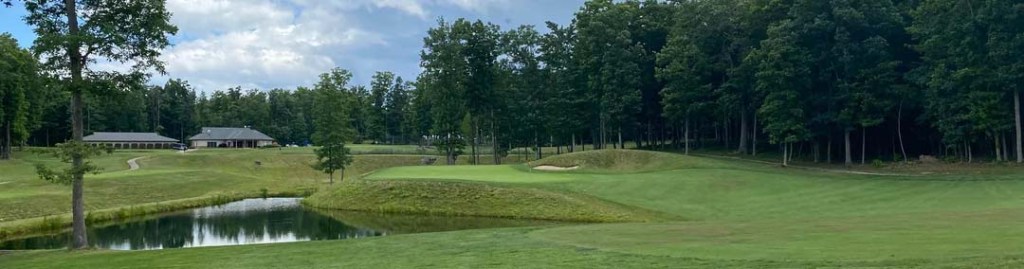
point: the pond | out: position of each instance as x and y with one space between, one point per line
256 221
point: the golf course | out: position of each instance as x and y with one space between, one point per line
618 209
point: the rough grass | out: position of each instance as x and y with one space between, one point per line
626 161
471 199
408 223
488 173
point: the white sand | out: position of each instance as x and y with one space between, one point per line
555 168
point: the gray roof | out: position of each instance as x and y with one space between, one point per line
127 137
222 133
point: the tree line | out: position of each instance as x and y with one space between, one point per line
805 78
178 110
849 81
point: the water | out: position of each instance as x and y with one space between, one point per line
255 221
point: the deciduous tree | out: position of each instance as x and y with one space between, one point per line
70 35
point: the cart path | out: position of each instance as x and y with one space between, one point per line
133 164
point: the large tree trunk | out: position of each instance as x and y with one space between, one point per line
472 144
816 150
494 142
638 137
846 139
622 145
785 154
1006 148
572 146
970 153
1016 114
995 139
743 133
725 133
5 149
686 137
863 144
753 144
899 131
828 152
79 239
650 135
536 143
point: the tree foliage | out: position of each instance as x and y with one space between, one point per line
932 77
331 158
18 78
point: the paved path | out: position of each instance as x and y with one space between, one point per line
133 164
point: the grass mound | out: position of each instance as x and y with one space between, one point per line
471 199
616 160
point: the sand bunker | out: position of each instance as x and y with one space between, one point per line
555 168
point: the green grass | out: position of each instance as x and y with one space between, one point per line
680 212
628 161
167 180
472 199
482 173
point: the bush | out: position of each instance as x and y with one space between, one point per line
877 163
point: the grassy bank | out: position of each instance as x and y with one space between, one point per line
168 180
472 199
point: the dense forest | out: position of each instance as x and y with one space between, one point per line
832 81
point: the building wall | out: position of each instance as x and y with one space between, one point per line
204 143
135 145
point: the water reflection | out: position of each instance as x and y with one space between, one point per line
256 221
250 221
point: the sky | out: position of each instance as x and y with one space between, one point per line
266 44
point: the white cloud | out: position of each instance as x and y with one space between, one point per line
287 43
412 7
201 17
258 43
477 5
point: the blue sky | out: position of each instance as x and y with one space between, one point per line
286 43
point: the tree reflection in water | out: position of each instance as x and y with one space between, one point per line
250 221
